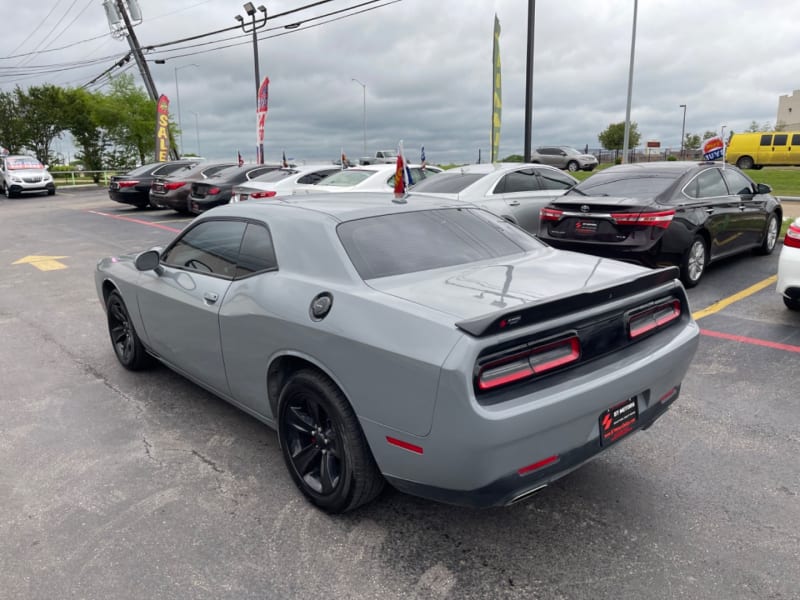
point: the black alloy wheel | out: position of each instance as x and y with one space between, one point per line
323 445
791 303
127 345
694 262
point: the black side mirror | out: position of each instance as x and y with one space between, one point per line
763 188
148 261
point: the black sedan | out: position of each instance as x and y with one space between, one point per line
218 190
133 187
172 191
681 213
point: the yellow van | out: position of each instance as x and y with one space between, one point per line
765 148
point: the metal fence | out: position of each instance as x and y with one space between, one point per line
644 155
83 177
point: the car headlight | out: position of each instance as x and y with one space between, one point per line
15 179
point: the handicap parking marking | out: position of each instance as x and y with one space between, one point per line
725 302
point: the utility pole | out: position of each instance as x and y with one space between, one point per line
529 82
149 84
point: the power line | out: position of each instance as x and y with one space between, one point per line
36 29
49 33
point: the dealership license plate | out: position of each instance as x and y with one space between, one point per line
618 421
586 227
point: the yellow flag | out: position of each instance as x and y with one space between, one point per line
497 101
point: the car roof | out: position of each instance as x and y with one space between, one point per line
345 206
663 167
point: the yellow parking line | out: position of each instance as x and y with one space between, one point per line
725 302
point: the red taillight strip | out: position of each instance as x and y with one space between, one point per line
651 319
532 361
174 185
404 445
550 214
792 238
265 194
538 465
660 219
124 184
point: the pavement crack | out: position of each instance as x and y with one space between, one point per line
208 461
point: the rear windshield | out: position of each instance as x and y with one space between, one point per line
275 175
402 243
447 183
346 178
639 185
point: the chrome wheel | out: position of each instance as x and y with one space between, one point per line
770 236
694 263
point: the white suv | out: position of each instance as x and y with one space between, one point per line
23 174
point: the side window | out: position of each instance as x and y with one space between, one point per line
708 184
766 139
547 151
779 139
316 177
518 181
796 139
738 184
553 180
211 247
257 253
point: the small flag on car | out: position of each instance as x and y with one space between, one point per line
344 160
402 174
284 164
422 161
239 158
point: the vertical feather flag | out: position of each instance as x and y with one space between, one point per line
497 101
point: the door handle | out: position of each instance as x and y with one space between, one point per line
709 211
210 297
513 202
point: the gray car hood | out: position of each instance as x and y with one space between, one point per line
477 289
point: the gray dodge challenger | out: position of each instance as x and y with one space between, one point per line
422 342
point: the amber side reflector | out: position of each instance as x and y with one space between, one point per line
404 445
538 465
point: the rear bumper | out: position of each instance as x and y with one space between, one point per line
483 455
201 205
133 197
789 273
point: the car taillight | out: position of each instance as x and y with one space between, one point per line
265 194
124 184
792 238
654 317
174 185
660 219
528 362
213 190
550 214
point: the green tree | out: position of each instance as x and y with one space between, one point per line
131 119
614 136
513 158
87 129
709 134
42 110
691 141
11 131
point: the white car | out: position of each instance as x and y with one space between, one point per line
282 182
24 174
514 191
789 267
367 178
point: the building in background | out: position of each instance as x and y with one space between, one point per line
788 118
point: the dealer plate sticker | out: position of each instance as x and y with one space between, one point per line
618 421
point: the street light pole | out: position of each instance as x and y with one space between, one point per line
253 28
630 86
364 90
683 127
196 131
178 98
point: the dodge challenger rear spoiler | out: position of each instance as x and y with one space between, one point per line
559 305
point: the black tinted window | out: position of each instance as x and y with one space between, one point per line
553 180
211 247
170 168
518 181
447 183
766 140
257 253
638 185
708 184
738 184
795 139
779 139
316 177
417 241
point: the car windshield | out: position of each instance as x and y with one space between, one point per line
23 162
346 177
571 151
639 185
401 243
447 183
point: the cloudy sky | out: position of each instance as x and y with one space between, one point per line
426 65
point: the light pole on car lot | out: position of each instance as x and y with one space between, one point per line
253 28
630 86
364 112
683 127
178 99
196 131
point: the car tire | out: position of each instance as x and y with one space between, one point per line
770 236
791 303
745 162
694 262
572 166
323 446
51 192
126 343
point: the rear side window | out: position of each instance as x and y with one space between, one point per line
211 247
257 253
779 139
796 139
402 243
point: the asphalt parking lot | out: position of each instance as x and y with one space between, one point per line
141 485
